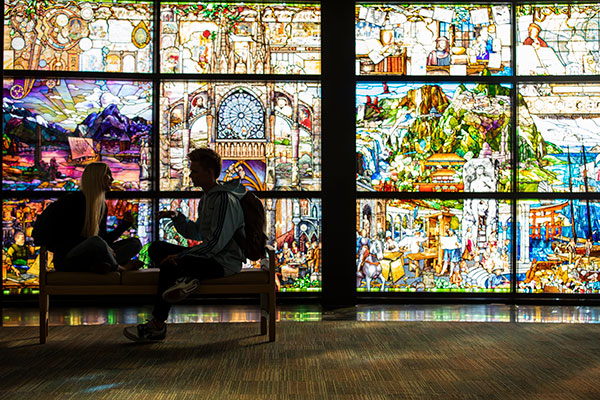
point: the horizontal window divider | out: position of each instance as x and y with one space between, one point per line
435 195
558 79
479 195
559 195
311 2
437 295
48 194
240 77
22 73
551 3
190 194
435 78
420 3
482 2
52 194
156 75
583 298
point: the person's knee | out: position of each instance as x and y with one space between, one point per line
156 252
136 244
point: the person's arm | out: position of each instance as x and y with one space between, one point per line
112 236
223 224
185 227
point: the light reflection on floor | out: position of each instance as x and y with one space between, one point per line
480 313
73 316
29 316
435 313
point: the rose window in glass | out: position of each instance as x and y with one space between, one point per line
241 116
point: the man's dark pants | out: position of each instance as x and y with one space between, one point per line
188 266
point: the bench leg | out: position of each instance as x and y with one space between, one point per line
264 313
44 305
272 316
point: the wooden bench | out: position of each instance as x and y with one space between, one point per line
259 281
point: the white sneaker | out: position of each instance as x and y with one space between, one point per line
144 333
180 290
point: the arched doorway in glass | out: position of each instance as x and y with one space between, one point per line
241 116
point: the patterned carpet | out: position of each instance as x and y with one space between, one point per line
309 360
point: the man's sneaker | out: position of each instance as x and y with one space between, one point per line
145 333
180 290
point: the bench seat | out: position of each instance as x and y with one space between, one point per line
259 281
147 277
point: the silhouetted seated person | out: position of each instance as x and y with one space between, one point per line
77 225
220 215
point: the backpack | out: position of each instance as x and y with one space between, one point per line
254 241
46 224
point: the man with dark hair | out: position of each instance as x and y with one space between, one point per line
220 215
207 158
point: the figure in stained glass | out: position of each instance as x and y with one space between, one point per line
441 54
534 39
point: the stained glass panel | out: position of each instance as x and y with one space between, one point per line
268 133
53 128
20 256
433 245
240 38
445 137
559 137
558 39
558 246
440 39
54 35
293 229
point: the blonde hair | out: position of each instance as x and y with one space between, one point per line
92 186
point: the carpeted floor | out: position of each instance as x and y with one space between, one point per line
309 360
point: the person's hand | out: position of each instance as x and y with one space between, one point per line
169 260
128 219
166 214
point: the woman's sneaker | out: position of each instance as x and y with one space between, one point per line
180 290
144 333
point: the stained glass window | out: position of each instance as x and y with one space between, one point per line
53 128
440 39
20 256
54 35
558 39
240 38
241 116
558 247
559 137
433 245
444 137
293 229
268 133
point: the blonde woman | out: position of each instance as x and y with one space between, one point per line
77 222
